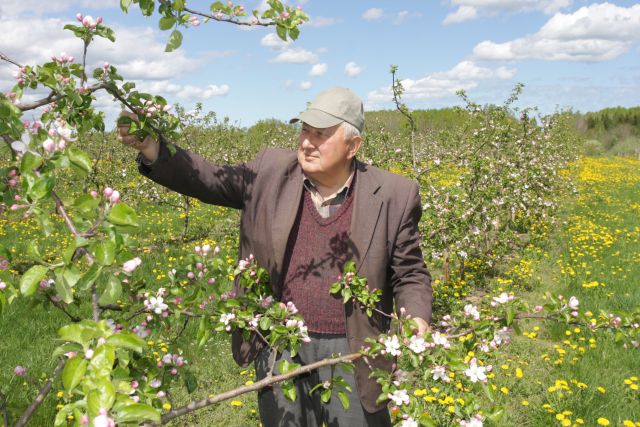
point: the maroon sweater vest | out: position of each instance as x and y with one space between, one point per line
317 250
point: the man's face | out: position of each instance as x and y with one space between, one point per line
324 153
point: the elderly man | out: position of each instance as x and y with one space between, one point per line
304 214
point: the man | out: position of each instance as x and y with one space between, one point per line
304 215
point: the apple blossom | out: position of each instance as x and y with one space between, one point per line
20 371
392 345
131 265
573 303
409 422
440 373
475 373
108 191
156 304
417 344
471 311
399 397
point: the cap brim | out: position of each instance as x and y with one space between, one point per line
317 118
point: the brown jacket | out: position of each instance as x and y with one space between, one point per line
384 237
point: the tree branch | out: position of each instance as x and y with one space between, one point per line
193 406
44 391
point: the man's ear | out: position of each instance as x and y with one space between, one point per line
354 146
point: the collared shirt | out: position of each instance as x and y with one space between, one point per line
327 206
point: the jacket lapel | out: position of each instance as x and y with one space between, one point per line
366 211
284 214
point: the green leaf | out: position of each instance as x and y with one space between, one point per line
105 252
63 291
31 279
190 381
102 397
282 32
89 277
178 4
265 323
122 214
33 251
112 291
335 288
511 314
73 372
325 395
127 340
294 32
137 412
344 399
124 5
166 23
290 391
42 187
79 159
30 162
102 361
174 42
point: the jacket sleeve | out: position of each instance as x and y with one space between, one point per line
410 279
192 175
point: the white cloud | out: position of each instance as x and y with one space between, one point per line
373 14
464 13
13 8
305 85
37 42
599 32
465 75
273 41
352 69
472 9
400 17
296 56
318 69
320 21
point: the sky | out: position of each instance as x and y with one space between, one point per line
569 54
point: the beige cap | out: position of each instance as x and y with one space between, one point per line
332 107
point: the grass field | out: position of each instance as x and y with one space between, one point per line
550 375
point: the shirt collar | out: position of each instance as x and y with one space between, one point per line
309 185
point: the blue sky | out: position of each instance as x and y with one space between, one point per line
569 53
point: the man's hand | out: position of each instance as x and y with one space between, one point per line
148 147
423 326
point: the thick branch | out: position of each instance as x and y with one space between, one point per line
193 406
44 391
54 96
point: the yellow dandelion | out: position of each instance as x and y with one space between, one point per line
603 421
236 403
602 389
525 403
166 406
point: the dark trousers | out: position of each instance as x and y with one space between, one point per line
308 410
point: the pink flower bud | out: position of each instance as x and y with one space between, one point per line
12 183
108 191
79 17
20 371
161 394
131 265
49 145
174 371
88 354
62 144
85 418
538 308
190 275
93 193
115 197
99 20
